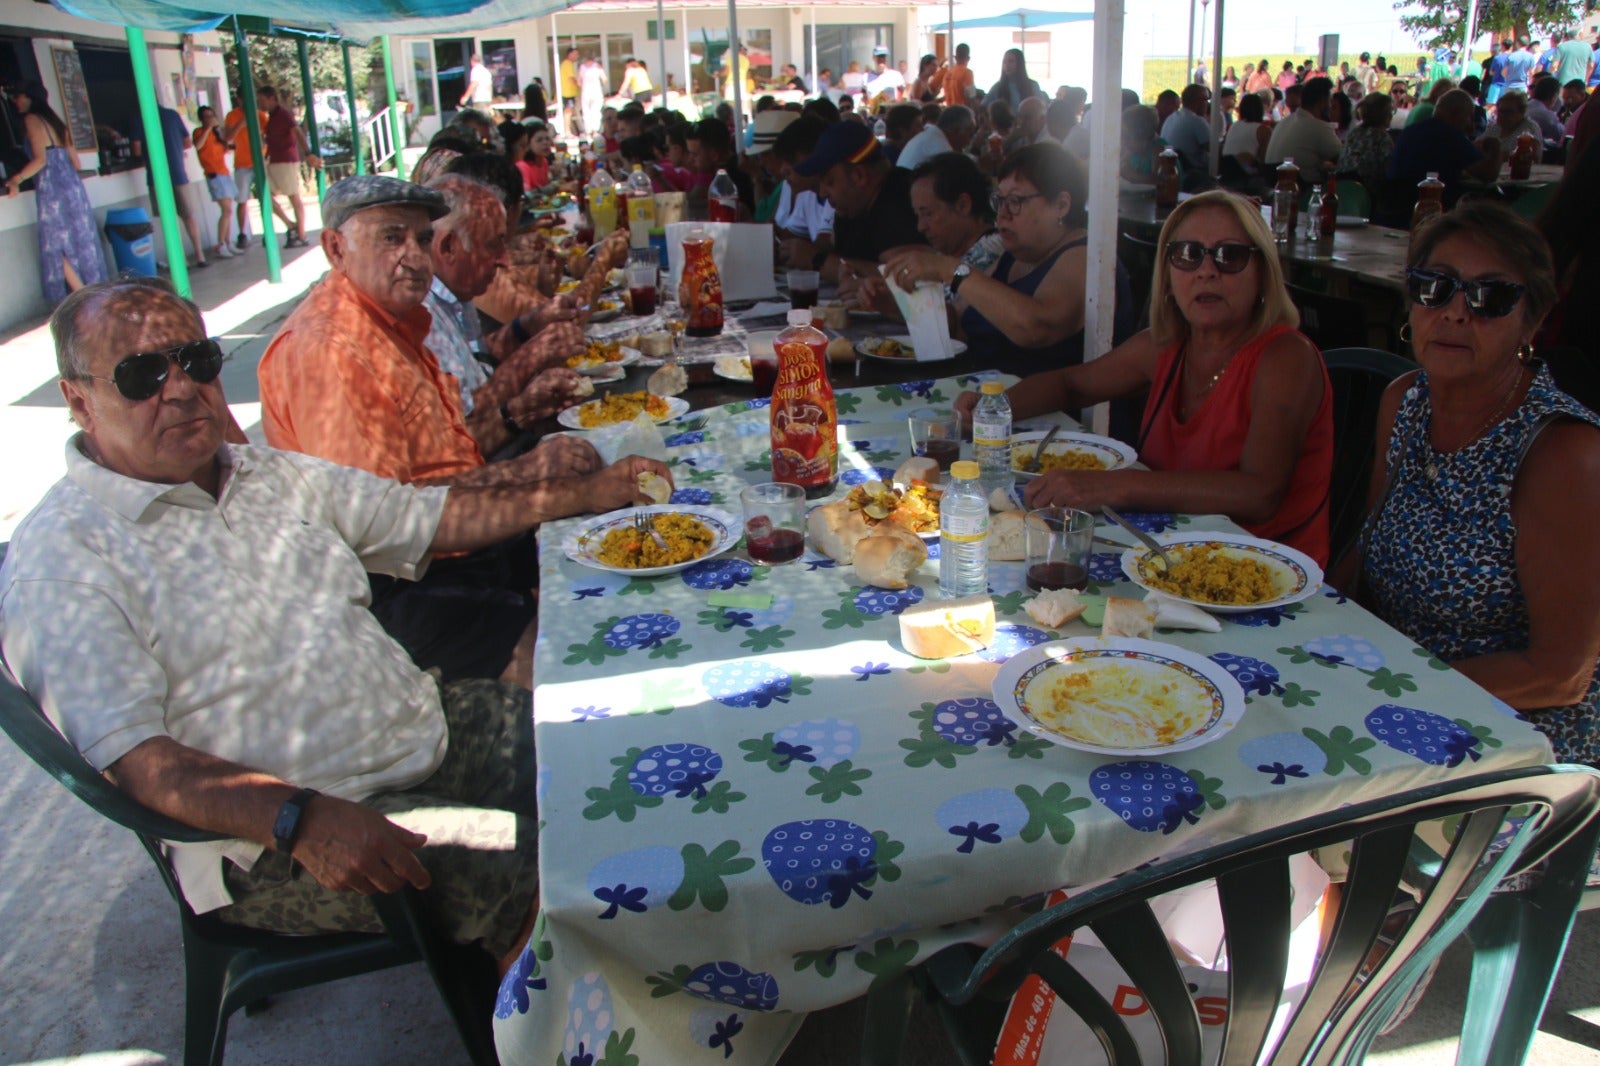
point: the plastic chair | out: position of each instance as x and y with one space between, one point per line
1330 321
228 966
1358 984
1359 376
1354 199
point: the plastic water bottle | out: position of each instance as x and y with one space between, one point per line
991 435
641 208
963 533
880 129
1314 215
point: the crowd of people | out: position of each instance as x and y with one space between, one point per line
322 647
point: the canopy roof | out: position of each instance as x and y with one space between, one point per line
1022 18
357 19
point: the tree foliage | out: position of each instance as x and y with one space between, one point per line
276 61
1439 22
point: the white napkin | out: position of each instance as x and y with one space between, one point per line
639 437
1175 614
766 309
923 310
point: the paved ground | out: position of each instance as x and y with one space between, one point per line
90 960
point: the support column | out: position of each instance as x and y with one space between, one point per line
660 80
261 186
397 122
155 157
1216 93
1104 143
311 115
562 131
737 75
355 116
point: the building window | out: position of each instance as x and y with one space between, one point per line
839 46
501 59
108 75
619 49
422 77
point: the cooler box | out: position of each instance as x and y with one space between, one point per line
133 247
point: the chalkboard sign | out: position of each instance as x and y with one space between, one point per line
75 110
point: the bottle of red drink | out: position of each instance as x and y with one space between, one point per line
722 199
805 421
700 287
1330 208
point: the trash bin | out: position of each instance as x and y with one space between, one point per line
133 247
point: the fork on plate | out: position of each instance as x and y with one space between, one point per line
644 523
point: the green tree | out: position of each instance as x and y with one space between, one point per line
276 61
1439 22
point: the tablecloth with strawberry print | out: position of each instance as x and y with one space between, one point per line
749 813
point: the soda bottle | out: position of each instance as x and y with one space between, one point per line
1522 157
722 199
602 203
1330 208
1314 215
641 208
1167 178
1286 202
1430 200
804 419
963 533
880 129
991 434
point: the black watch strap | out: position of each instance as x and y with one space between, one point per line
286 827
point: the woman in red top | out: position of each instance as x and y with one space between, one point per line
1239 419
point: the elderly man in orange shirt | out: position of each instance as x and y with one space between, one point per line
349 378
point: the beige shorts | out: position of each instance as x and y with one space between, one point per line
285 178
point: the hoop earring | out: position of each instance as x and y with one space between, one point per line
1525 354
1405 333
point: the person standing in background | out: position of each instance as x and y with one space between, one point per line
69 251
286 145
480 86
212 148
234 128
955 80
176 139
591 93
569 88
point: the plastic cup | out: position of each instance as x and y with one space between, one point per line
935 434
803 288
774 522
643 271
1058 543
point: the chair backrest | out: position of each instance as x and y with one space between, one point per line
1330 321
1504 823
1354 199
1138 257
1359 376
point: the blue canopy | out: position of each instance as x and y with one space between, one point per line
357 19
1022 18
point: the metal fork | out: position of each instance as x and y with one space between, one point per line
699 421
644 523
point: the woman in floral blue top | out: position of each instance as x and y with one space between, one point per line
1367 146
1480 541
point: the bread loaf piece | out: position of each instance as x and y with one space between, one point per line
670 380
1054 608
654 487
1128 618
1008 539
938 629
841 351
917 468
835 529
583 389
887 558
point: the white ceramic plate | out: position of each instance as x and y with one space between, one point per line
582 545
733 368
1113 454
1295 574
604 370
606 308
569 418
866 348
1115 685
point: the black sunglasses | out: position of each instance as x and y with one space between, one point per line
141 375
1486 298
1230 258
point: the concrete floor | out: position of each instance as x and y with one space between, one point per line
90 960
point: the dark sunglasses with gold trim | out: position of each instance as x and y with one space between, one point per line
142 374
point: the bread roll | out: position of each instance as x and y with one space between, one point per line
835 530
1005 498
1054 608
583 389
1008 539
655 488
1128 618
656 345
841 351
887 558
938 629
668 381
917 468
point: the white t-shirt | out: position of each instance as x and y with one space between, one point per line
803 214
923 147
591 80
887 83
1241 139
480 85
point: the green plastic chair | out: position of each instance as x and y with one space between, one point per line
1358 376
227 966
1350 995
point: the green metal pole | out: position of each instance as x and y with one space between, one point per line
252 124
396 121
311 114
155 157
355 119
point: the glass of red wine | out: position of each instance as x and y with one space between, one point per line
644 266
935 434
774 522
1058 544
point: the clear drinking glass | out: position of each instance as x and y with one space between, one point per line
1058 544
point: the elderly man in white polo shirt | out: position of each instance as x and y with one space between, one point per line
193 616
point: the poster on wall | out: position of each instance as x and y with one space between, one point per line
75 110
188 100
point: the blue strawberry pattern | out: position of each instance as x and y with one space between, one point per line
1151 521
692 497
635 881
1254 676
986 816
590 1018
1265 616
730 983
873 600
872 473
1106 567
822 860
823 743
721 574
972 722
682 770
641 631
1284 756
1147 795
678 440
748 683
1009 639
1423 735
1347 650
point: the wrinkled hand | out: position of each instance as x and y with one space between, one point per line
555 344
921 264
549 392
1081 489
873 291
963 407
558 456
613 251
351 848
563 308
618 484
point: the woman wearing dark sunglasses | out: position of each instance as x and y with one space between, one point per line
1479 540
1238 418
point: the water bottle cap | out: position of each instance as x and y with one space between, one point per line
992 388
800 317
965 469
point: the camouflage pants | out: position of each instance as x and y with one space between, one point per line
479 813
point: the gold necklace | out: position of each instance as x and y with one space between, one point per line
1431 470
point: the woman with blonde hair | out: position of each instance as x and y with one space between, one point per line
1239 415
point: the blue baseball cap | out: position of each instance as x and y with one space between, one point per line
842 142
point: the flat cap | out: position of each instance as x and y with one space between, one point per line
362 191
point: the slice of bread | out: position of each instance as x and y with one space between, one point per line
939 629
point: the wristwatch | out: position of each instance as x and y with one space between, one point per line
958 275
287 825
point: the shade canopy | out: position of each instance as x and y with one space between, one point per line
1022 18
355 19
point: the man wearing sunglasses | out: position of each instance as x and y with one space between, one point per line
192 615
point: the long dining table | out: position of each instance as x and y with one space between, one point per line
754 803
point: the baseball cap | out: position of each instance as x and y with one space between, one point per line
355 194
768 124
842 142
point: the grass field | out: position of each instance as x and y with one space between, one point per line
1162 74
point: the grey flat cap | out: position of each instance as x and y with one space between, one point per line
362 191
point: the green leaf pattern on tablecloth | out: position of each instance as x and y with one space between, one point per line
835 782
1390 683
825 962
1050 812
704 873
887 958
760 640
1343 749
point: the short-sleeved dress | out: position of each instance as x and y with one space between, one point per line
1440 551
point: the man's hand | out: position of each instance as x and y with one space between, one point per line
563 308
555 344
558 456
618 484
549 392
964 405
613 251
314 161
351 848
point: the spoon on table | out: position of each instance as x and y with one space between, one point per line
1032 465
1144 538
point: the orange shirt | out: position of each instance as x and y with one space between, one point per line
346 381
956 81
213 154
241 140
